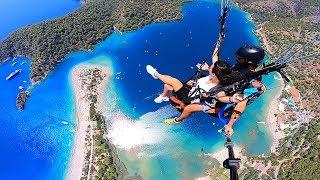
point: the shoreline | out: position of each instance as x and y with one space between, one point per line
263 38
272 121
82 115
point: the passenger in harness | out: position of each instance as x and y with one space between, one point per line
248 58
187 94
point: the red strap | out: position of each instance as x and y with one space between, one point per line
236 112
177 101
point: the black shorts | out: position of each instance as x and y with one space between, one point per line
183 93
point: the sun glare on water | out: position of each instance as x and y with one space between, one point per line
127 134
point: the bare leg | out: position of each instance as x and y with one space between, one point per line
191 108
166 90
173 82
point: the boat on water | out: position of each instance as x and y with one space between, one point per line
14 73
117 30
23 63
261 122
13 63
21 87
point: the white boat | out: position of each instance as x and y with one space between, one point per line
14 73
261 122
21 87
117 30
13 63
23 63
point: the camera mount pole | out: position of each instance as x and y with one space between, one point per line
231 163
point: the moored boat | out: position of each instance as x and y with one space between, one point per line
261 122
13 63
14 73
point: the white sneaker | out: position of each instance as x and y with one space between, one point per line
161 98
152 71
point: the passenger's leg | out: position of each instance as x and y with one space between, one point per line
166 90
191 108
164 96
171 81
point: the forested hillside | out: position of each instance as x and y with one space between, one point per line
49 42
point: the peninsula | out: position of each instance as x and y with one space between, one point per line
93 155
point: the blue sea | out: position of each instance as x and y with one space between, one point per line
15 14
37 142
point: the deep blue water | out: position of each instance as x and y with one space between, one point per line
15 14
37 144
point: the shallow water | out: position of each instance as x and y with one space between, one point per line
39 141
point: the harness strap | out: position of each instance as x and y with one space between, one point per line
195 91
177 103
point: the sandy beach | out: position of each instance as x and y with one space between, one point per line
82 114
272 121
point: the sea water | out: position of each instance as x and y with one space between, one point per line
15 14
37 142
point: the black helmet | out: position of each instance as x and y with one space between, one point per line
253 55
